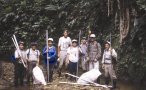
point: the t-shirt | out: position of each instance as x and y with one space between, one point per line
33 55
23 55
73 53
64 43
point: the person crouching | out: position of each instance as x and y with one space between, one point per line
73 58
52 57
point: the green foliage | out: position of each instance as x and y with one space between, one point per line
29 19
142 4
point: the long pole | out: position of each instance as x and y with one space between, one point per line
48 73
96 84
79 47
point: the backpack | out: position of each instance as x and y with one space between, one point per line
12 58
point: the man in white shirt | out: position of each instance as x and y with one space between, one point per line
19 68
107 64
33 58
63 44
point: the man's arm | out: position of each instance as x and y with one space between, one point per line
114 53
70 42
55 53
59 47
17 56
99 51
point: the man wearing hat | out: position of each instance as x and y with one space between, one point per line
94 52
84 53
63 44
73 57
107 65
19 68
52 57
33 58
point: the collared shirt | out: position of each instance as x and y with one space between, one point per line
51 53
33 55
94 51
64 43
22 56
107 56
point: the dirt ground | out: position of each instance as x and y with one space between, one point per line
7 79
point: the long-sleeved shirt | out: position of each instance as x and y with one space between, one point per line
51 53
94 51
107 56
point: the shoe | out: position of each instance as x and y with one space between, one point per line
59 73
106 81
114 83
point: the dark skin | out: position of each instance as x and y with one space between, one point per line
50 43
107 46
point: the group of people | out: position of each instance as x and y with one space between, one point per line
68 53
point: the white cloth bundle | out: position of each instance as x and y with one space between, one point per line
89 76
38 76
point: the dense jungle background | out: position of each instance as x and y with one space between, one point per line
124 19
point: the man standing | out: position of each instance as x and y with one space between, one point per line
84 54
33 58
108 55
52 54
94 52
19 67
63 44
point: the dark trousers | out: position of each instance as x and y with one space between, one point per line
31 65
72 68
19 74
51 70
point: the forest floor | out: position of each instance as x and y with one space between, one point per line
7 82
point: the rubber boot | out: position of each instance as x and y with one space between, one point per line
106 81
98 79
114 83
59 73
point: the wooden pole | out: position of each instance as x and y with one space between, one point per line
79 47
96 84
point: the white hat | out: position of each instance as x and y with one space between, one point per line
108 42
92 35
74 40
50 39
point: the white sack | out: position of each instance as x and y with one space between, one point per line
38 76
89 76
